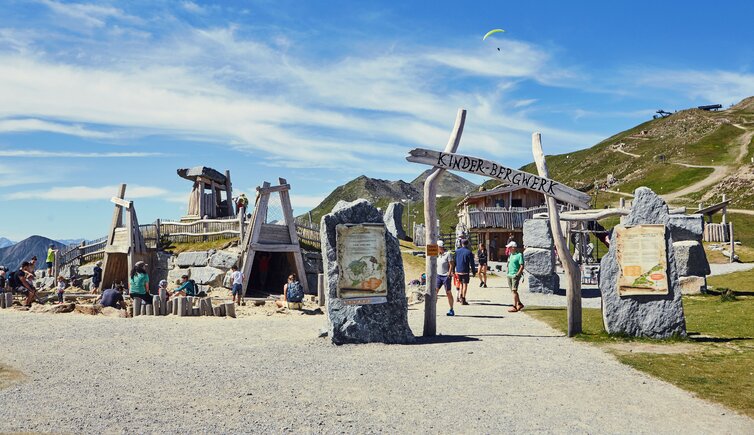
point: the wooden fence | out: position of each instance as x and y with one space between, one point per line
308 234
716 233
498 217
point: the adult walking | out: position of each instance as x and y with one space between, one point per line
96 276
465 268
481 256
443 274
138 284
515 270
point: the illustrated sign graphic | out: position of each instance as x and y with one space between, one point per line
642 258
362 262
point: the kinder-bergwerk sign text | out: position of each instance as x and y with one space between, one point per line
475 165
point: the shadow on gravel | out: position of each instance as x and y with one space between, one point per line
695 337
491 304
518 335
442 339
480 317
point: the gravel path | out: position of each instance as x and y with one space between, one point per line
492 372
723 268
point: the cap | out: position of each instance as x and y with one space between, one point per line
440 243
512 244
163 283
140 263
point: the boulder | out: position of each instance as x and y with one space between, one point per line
91 309
394 220
192 259
690 258
313 262
382 323
547 284
176 274
537 234
114 312
86 284
45 283
656 316
207 275
85 270
686 227
538 261
693 285
223 259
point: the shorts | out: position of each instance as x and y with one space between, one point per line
482 263
237 289
513 282
49 264
463 278
443 281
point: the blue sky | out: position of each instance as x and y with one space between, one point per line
95 94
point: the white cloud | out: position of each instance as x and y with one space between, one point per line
306 201
86 193
35 125
193 7
725 87
87 14
71 154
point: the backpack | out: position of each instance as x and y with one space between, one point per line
295 292
13 280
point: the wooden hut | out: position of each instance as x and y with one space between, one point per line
206 196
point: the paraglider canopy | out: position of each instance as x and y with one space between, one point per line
492 32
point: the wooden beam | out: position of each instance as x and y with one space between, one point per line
274 248
430 223
572 272
285 203
257 219
121 202
229 193
486 168
273 189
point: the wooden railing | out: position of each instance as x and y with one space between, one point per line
498 217
308 234
76 255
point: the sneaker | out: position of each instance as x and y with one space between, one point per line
485 285
463 301
481 284
451 313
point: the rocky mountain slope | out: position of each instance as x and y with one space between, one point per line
12 256
450 184
5 242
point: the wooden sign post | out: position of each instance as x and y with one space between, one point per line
430 223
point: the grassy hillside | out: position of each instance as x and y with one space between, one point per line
652 153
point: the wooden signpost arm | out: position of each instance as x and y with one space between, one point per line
572 272
430 223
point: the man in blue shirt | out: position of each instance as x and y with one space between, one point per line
465 268
113 297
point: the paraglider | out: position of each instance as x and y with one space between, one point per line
492 32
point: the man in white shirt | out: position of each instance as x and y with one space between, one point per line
443 274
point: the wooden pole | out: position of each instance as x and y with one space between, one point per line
229 193
732 243
137 306
230 309
210 309
431 227
321 289
572 272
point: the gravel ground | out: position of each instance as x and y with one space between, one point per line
490 371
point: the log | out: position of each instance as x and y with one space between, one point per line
137 306
156 305
222 310
2 301
210 309
572 271
163 302
181 306
321 289
230 309
144 309
149 309
195 311
217 311
430 224
170 306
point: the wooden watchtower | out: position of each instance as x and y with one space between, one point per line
206 196
125 243
273 236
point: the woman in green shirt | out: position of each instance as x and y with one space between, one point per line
138 284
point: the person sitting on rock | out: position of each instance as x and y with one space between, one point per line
113 297
188 288
138 284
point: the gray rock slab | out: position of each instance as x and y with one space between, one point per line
686 227
656 316
207 275
538 261
547 284
690 258
537 234
223 259
176 274
383 323
192 259
394 220
693 285
85 270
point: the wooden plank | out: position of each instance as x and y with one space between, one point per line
274 248
260 212
430 224
273 189
572 271
486 168
121 202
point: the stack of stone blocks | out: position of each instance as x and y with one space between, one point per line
687 232
539 257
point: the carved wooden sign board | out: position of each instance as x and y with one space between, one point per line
486 168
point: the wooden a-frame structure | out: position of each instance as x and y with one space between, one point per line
267 237
125 243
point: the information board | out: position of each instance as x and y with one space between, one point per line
642 258
432 250
362 262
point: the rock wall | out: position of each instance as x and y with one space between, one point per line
383 323
539 257
394 220
687 232
656 316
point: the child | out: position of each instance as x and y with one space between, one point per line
61 288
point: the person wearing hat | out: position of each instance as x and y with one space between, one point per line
515 270
96 276
138 283
443 274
